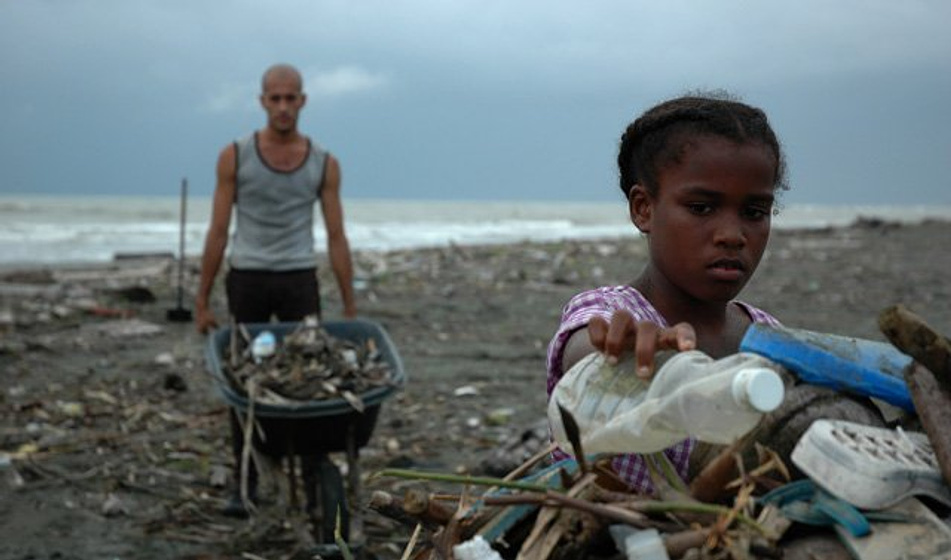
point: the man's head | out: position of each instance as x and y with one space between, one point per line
282 96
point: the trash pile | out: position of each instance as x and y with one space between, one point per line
573 510
308 364
846 490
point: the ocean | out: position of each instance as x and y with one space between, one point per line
82 229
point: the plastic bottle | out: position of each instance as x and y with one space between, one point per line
263 346
476 548
690 395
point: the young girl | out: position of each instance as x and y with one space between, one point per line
700 175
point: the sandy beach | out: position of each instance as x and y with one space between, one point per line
114 441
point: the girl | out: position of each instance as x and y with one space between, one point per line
700 175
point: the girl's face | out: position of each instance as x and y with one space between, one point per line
709 222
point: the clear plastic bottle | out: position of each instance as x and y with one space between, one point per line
690 395
263 346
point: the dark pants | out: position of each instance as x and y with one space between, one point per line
258 296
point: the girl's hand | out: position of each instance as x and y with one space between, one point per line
623 333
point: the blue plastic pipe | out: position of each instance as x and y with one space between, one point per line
854 365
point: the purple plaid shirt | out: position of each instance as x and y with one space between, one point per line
604 302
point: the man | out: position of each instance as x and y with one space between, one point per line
271 180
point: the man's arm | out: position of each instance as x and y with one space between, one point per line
337 245
217 239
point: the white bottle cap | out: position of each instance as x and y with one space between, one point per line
759 387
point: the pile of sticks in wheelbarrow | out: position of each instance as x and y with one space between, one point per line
309 365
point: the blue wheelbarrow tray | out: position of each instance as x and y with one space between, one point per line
317 426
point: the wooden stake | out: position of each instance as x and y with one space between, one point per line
910 334
933 403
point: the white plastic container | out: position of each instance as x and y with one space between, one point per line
639 544
692 394
263 346
870 467
475 548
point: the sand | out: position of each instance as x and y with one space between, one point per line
113 438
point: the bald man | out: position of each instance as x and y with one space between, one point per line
271 180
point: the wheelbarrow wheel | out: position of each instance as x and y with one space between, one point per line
324 483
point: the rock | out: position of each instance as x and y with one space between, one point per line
114 507
174 382
516 450
466 391
135 294
499 416
165 359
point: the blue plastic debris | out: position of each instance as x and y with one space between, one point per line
804 502
853 365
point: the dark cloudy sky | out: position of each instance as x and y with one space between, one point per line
484 99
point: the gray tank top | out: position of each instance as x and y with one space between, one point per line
274 210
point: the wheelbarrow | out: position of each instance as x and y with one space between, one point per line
315 428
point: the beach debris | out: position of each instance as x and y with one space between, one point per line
869 467
476 548
134 294
135 449
164 359
122 328
7 320
639 543
922 534
913 336
218 476
499 416
933 401
174 382
113 506
309 364
466 391
571 509
928 377
516 449
12 347
37 291
559 512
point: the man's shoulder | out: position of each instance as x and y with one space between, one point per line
243 142
316 147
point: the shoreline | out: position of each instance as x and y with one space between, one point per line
120 258
75 231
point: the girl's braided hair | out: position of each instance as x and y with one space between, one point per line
659 137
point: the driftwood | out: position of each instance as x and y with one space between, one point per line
912 335
390 506
933 403
928 377
420 505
